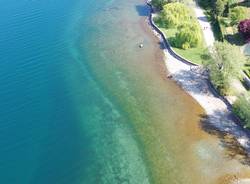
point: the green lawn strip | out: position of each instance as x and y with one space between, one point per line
192 54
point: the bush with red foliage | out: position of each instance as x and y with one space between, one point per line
244 29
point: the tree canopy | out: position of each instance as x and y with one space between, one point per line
174 14
219 7
225 63
237 14
188 35
178 16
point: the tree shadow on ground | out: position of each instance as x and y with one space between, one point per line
232 147
235 39
246 85
142 10
204 18
243 3
193 80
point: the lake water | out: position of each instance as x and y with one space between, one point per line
81 103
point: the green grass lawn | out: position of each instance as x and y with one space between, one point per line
193 54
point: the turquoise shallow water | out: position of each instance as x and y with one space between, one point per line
57 125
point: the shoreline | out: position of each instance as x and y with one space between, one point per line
190 78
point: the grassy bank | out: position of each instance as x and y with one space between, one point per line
182 29
191 54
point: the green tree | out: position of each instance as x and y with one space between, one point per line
188 35
225 64
237 14
174 14
219 7
232 2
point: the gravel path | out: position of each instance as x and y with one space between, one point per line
205 25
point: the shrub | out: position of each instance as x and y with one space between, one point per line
244 29
220 80
185 46
188 35
237 14
242 110
174 14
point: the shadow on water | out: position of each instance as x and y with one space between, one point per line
161 45
232 147
142 10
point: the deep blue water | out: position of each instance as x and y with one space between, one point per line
53 115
